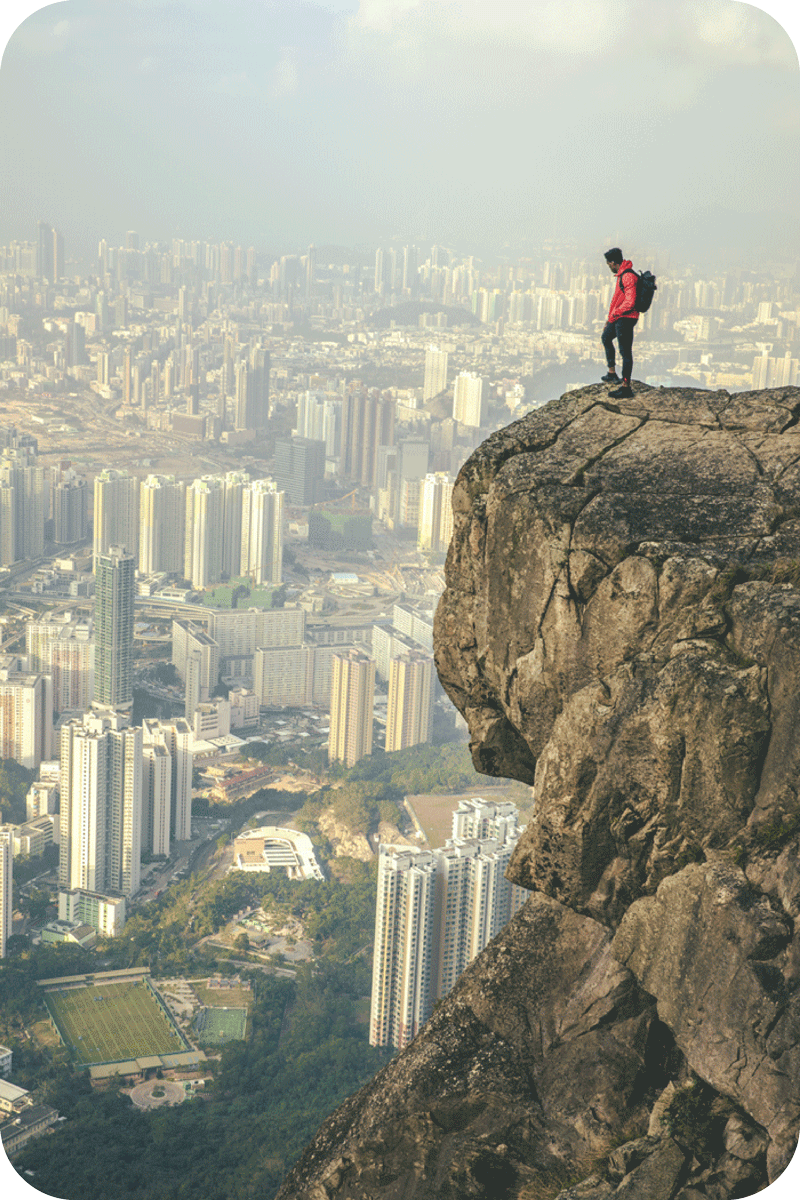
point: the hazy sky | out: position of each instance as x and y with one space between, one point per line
483 122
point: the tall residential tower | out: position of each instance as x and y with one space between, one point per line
115 590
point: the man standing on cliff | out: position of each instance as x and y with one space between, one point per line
622 316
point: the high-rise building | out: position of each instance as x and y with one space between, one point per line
404 941
436 911
319 417
167 783
70 510
205 505
8 522
101 804
367 423
162 519
283 676
116 511
262 532
177 736
19 470
352 704
234 485
300 469
435 378
45 266
26 712
62 647
468 394
435 527
115 589
195 657
495 820
252 389
6 880
409 714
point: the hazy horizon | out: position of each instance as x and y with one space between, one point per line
339 123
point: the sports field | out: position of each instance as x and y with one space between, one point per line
113 1022
215 1026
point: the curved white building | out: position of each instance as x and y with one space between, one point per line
271 848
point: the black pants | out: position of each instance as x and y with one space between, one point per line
622 330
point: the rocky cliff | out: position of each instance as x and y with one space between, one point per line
621 627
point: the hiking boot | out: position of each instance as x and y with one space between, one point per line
622 393
611 377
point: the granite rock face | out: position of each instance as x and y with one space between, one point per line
621 628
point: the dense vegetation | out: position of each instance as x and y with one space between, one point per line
14 783
307 1052
307 1048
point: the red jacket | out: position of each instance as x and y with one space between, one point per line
623 303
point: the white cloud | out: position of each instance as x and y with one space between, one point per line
724 31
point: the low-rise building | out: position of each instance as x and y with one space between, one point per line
20 1127
69 931
271 849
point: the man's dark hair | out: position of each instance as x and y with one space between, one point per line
614 255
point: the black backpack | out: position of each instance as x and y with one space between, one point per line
645 287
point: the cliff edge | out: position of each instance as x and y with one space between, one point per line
621 627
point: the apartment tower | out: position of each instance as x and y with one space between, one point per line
435 527
436 911
352 703
435 378
162 516
262 532
409 713
101 804
116 512
115 589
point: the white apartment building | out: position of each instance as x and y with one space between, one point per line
234 485
162 517
409 713
101 804
402 996
435 378
468 397
205 498
176 738
62 646
42 799
262 532
435 527
106 914
212 720
116 512
436 911
26 713
352 705
283 676
244 705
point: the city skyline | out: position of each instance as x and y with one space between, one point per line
181 325
452 146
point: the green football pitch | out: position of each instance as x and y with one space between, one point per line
112 1022
215 1026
